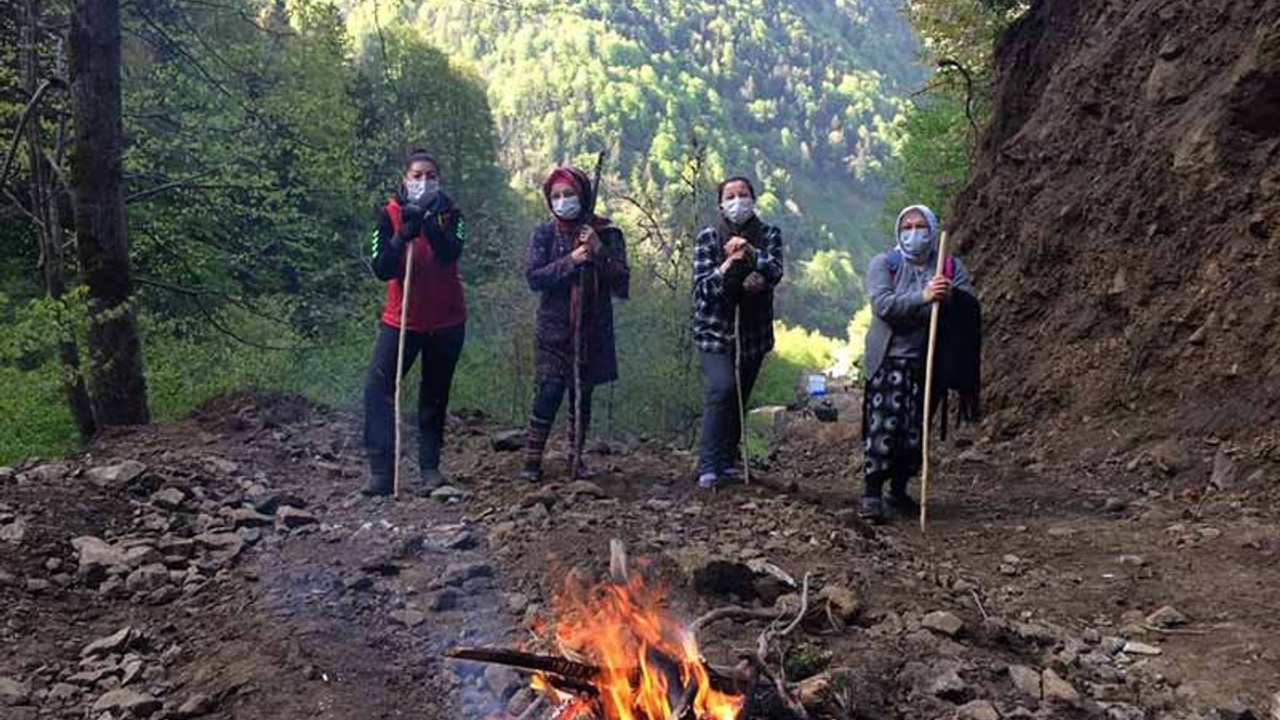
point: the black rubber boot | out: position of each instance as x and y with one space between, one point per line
429 464
871 509
900 501
379 485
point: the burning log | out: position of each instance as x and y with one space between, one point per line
622 658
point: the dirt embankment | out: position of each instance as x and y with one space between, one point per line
1123 220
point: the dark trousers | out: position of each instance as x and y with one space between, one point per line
721 422
440 351
547 396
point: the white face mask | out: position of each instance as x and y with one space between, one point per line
738 210
423 190
566 208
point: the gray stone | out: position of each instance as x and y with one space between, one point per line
1134 647
128 702
458 573
113 644
13 692
1224 474
14 532
499 679
95 556
943 622
1058 691
119 474
1275 706
584 487
292 517
940 679
508 441
221 466
978 710
844 602
1026 680
444 600
168 498
196 706
1166 617
1115 505
269 501
408 618
517 603
249 518
449 494
63 693
147 579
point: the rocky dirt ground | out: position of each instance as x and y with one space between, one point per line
224 567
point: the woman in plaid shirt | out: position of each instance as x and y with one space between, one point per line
736 265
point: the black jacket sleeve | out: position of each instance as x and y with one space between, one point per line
386 249
447 232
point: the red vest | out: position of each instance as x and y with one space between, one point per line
436 301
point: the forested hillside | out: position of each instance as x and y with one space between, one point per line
805 96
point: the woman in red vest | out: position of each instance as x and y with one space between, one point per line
423 217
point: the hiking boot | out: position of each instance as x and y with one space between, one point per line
432 478
871 509
707 481
532 471
582 472
903 504
379 485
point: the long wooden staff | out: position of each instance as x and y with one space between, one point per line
404 321
934 313
742 408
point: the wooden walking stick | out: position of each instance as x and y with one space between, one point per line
934 313
404 319
578 440
737 380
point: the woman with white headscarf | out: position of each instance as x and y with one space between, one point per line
901 287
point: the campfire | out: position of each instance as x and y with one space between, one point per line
620 654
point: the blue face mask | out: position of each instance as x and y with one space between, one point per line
915 243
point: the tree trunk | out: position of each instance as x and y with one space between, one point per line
46 199
117 383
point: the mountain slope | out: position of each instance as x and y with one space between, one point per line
803 96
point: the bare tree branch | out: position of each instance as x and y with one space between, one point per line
36 98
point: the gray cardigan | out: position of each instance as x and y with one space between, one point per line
896 305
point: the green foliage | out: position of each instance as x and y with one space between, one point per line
801 96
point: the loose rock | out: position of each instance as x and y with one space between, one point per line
292 517
147 579
168 499
14 532
508 441
458 573
1058 691
1026 680
943 622
13 692
1134 647
119 474
197 706
978 710
127 701
113 644
1166 617
408 618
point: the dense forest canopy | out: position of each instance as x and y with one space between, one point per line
260 136
806 97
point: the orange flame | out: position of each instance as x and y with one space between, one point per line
648 660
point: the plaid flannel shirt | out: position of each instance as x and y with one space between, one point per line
714 303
